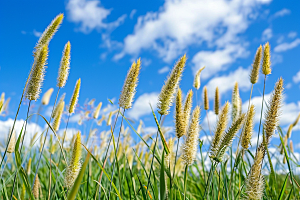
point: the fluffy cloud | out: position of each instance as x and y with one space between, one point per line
179 24
91 15
296 78
36 33
287 46
292 34
141 106
163 70
226 82
267 34
282 13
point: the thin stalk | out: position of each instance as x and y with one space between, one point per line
106 153
153 154
185 181
208 122
114 162
62 145
175 159
12 192
37 168
12 128
261 112
50 173
208 179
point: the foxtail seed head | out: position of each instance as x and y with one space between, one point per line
273 111
289 132
29 167
75 163
266 66
97 111
256 66
37 75
166 95
129 87
227 138
254 187
217 101
36 187
47 96
248 128
179 115
291 146
189 148
74 98
205 96
235 102
64 68
57 118
187 109
220 128
197 78
48 33
12 142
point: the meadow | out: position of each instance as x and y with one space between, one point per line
157 166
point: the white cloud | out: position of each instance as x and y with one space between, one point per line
282 13
31 129
141 106
217 60
267 34
37 33
178 24
296 78
287 46
292 34
226 82
163 70
132 13
91 15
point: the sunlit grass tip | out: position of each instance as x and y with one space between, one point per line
130 84
74 98
217 101
74 165
47 96
12 142
179 115
64 68
187 108
189 149
236 107
266 65
97 111
197 81
166 95
205 98
248 128
37 75
256 65
58 116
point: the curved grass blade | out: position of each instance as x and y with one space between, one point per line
283 187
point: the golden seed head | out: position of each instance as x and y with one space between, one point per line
58 115
248 128
179 115
273 110
254 187
205 96
236 107
61 99
170 157
37 74
197 78
166 95
108 121
227 138
266 66
47 96
36 187
256 66
48 33
29 167
75 163
217 101
189 149
289 132
97 111
291 146
187 109
12 142
220 129
129 87
64 68
74 98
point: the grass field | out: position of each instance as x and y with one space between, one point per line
54 166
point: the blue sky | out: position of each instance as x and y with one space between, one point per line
107 36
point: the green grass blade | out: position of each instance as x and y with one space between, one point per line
162 178
283 188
